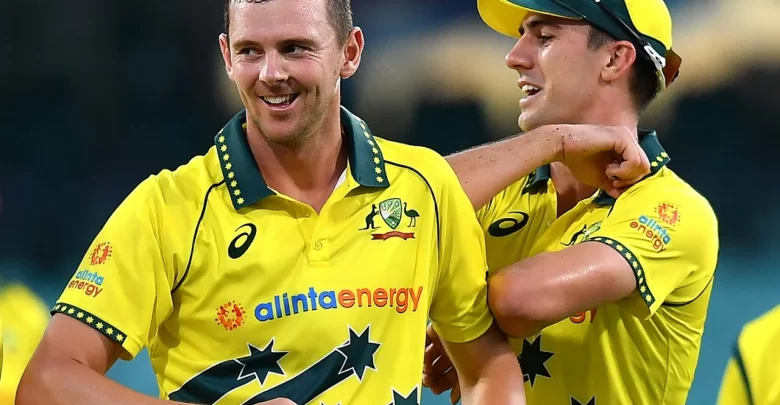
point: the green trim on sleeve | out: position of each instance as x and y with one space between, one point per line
636 266
106 329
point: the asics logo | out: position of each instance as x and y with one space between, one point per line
509 225
240 244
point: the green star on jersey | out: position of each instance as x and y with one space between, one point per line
532 360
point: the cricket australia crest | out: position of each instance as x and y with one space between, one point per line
390 210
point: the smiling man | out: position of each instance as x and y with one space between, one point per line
296 262
301 257
605 294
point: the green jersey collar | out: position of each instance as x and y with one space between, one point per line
245 182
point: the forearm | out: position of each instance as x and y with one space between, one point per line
486 170
500 383
488 370
66 382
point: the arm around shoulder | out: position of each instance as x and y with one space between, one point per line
486 170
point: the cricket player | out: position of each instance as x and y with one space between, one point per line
24 317
752 376
299 259
604 294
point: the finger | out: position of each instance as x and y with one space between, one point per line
438 366
431 335
627 170
432 353
455 394
445 383
629 149
621 184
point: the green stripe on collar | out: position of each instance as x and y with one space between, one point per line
365 157
538 176
245 183
242 177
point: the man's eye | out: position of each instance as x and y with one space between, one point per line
294 49
544 38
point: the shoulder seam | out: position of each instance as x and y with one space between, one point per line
195 234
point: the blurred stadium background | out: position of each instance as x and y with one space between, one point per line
97 95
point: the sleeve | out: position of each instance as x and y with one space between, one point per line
734 386
122 287
459 311
669 236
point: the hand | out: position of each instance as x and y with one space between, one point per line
277 401
604 157
438 373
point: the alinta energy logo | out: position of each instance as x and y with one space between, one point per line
100 253
668 213
89 281
230 315
400 300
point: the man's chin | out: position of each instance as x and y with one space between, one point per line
527 122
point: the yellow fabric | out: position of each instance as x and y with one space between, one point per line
274 299
640 350
752 376
733 390
652 18
505 17
24 319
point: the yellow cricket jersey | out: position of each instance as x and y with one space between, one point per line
752 375
24 318
242 294
641 350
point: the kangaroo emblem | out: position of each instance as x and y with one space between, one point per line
370 218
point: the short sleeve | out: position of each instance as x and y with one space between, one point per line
734 386
122 288
459 311
669 235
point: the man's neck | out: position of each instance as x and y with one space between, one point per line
570 191
307 172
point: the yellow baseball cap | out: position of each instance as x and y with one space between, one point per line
646 23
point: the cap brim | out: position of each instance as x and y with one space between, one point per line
506 16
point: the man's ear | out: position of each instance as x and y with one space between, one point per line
353 52
622 55
224 47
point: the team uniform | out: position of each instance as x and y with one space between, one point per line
642 349
242 294
24 320
752 375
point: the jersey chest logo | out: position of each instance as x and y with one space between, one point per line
509 225
240 244
392 211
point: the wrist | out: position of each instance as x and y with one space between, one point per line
549 141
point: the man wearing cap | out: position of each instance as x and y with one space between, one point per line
603 294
